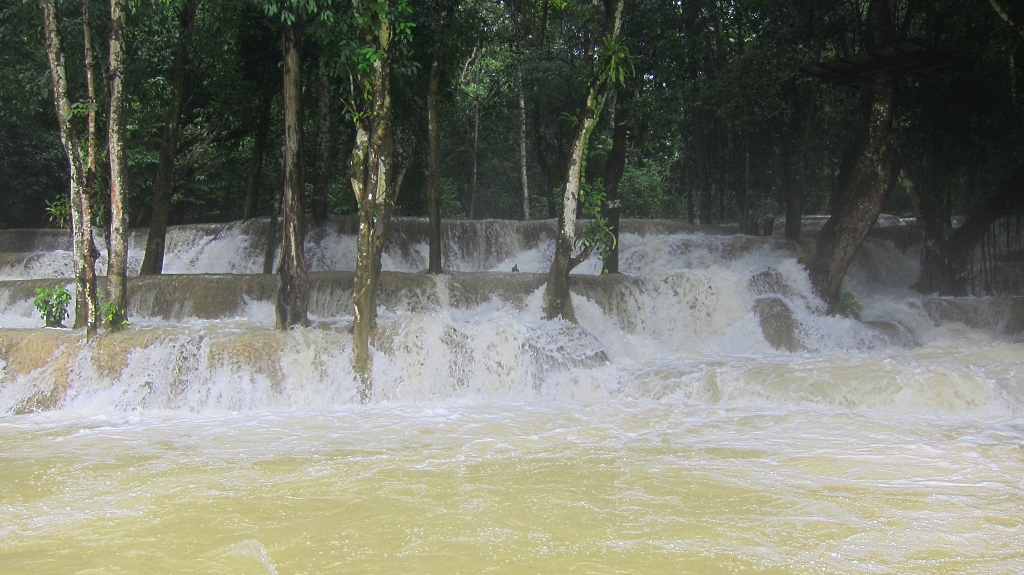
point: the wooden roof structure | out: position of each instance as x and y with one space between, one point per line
902 58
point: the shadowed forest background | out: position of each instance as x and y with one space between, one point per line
716 104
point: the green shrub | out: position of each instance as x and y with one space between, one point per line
53 305
848 306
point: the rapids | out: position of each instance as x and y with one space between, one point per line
704 417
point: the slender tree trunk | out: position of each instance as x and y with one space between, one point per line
542 160
292 285
476 156
613 170
434 148
87 312
163 187
557 299
522 139
875 167
795 195
375 193
252 189
117 254
706 200
323 147
85 279
276 221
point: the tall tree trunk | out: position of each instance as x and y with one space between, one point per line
117 255
476 155
522 139
85 278
292 285
375 193
542 160
163 187
434 148
795 192
323 147
557 299
705 199
276 222
616 164
87 312
252 188
875 167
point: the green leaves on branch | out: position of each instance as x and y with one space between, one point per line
112 316
598 235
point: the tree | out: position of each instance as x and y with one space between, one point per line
609 63
292 285
379 27
117 257
153 261
433 191
870 170
87 312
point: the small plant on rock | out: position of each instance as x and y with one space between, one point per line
53 305
848 306
114 317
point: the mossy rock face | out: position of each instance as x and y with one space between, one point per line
777 324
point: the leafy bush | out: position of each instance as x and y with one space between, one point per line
848 306
53 305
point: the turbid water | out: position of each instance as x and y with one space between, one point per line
703 418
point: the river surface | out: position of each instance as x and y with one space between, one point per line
664 435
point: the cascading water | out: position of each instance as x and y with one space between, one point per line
704 417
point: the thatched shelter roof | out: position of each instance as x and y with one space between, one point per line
902 58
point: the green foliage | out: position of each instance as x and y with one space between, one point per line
109 313
59 211
451 208
598 234
52 304
645 191
848 306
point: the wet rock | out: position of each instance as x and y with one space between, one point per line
777 323
768 282
894 333
1001 315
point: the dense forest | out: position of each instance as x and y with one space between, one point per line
703 110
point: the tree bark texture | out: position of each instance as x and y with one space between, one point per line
542 161
117 256
476 156
255 177
524 184
874 167
860 200
557 299
434 149
153 261
85 273
613 169
323 147
89 253
375 192
796 188
292 285
705 211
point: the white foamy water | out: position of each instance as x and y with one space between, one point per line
667 433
